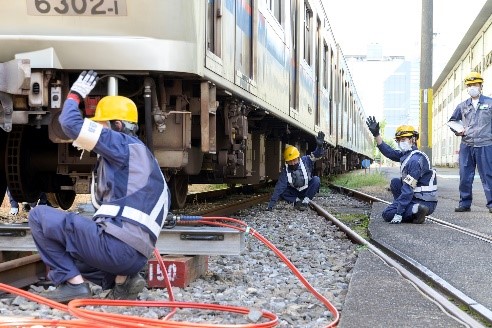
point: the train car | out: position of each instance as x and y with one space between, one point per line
221 87
474 53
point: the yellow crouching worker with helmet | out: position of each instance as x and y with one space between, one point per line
296 183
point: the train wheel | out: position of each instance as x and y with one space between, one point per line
178 185
63 199
3 180
18 165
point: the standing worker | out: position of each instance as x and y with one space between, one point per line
474 118
296 183
415 192
131 196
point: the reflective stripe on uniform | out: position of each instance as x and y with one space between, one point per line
148 220
411 181
89 135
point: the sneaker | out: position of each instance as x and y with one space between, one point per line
462 209
128 290
419 217
66 292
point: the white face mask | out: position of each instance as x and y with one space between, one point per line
404 146
473 91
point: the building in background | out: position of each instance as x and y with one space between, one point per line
388 87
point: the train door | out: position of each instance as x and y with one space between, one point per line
293 79
317 90
331 95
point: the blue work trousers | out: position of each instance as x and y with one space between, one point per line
71 244
291 194
471 158
407 216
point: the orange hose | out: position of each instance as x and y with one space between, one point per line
88 318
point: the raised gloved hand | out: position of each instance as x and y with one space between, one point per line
320 139
85 83
373 125
14 210
396 219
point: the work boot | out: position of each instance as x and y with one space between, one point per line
300 206
462 209
66 292
419 217
129 289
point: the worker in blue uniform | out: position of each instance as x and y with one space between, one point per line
296 183
131 198
14 205
415 191
474 118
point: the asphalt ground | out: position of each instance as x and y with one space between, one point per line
379 296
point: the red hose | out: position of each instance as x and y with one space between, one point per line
88 318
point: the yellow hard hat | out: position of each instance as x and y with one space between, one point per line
473 77
290 153
406 131
116 108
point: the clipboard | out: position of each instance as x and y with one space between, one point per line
456 126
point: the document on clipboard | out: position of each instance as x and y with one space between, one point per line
456 126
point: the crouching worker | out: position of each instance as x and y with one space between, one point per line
415 192
296 183
130 195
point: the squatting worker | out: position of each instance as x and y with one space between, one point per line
475 115
415 191
132 200
296 183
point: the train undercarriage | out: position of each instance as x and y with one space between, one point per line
198 132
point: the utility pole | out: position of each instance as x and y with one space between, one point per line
427 33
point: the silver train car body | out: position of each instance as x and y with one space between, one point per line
474 53
221 87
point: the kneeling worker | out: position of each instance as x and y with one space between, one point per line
131 196
296 183
415 192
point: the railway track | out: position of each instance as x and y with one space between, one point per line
411 270
423 277
20 267
258 259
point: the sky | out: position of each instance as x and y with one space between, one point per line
395 24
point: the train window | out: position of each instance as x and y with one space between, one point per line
308 15
214 30
325 66
244 37
275 7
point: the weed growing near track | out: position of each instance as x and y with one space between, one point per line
359 179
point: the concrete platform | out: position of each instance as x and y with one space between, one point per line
379 296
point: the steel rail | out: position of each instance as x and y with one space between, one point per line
424 272
368 198
433 294
23 271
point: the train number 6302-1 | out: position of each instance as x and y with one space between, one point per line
76 7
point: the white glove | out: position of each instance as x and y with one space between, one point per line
85 83
396 219
14 211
